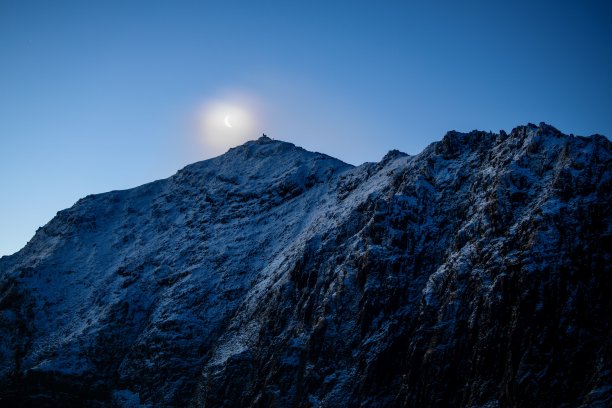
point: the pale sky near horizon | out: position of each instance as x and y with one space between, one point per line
99 96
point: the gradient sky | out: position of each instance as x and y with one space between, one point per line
98 96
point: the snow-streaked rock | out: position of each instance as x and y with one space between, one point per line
476 273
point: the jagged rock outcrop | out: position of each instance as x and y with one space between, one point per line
475 274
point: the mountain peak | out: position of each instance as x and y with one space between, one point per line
264 139
271 153
264 145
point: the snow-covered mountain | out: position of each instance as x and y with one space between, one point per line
475 274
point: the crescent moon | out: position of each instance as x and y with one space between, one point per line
227 122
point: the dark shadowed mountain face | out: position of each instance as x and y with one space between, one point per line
475 274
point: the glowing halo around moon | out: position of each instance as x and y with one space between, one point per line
226 123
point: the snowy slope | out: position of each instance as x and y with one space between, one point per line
476 273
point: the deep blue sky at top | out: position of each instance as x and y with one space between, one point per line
98 95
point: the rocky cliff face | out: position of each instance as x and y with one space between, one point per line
475 274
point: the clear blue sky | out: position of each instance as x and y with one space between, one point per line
97 96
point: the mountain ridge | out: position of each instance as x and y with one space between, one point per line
272 275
